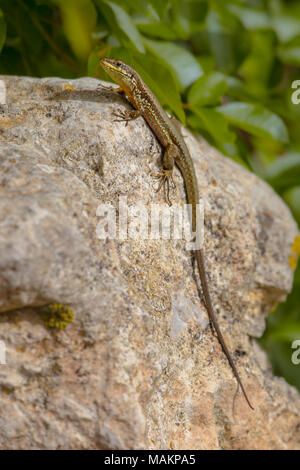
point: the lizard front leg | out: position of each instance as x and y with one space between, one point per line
126 115
110 89
121 114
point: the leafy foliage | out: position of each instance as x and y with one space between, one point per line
228 68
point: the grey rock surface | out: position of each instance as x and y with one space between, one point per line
139 367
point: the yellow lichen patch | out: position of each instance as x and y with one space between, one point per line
57 316
293 261
69 87
296 245
295 252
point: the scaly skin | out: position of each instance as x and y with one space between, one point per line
166 130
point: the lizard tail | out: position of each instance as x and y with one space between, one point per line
200 262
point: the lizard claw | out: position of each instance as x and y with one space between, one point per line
101 87
109 89
122 116
165 176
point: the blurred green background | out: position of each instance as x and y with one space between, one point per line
227 69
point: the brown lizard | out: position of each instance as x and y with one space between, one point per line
175 152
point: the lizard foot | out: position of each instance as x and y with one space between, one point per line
125 115
110 89
165 177
122 116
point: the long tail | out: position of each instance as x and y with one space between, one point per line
200 261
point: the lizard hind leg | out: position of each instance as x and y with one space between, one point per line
166 174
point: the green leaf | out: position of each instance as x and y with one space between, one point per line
237 89
221 36
208 89
259 64
250 18
292 197
188 16
215 123
215 129
207 63
79 20
156 29
256 119
122 25
139 6
287 27
289 54
232 151
2 30
284 172
186 68
288 332
160 7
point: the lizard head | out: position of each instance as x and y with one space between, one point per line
121 73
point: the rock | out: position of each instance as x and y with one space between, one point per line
139 367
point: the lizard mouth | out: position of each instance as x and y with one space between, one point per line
110 64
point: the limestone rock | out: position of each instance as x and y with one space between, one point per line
139 367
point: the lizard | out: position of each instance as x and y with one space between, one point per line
176 152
